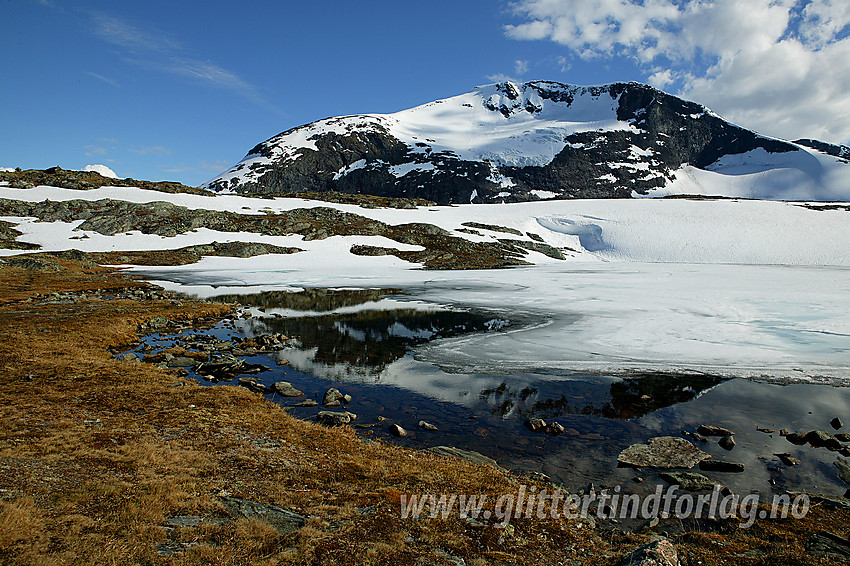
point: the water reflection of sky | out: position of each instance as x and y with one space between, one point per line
371 348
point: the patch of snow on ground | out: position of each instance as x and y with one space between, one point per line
103 170
359 164
405 168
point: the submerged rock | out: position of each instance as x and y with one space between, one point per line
689 481
843 470
788 459
712 430
662 452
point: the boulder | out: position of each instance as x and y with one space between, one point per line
285 389
727 442
427 426
554 429
332 418
662 452
334 398
788 459
467 455
712 430
396 430
836 423
535 424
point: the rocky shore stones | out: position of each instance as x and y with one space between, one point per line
334 398
535 425
332 418
285 389
662 452
226 368
397 430
836 423
427 426
712 430
823 439
689 481
843 470
727 442
788 459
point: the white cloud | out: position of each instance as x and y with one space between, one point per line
520 67
157 51
100 77
781 67
102 169
92 150
151 150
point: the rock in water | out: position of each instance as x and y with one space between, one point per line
333 398
727 442
843 470
712 430
554 429
427 426
396 430
689 481
285 389
662 452
836 423
788 459
535 425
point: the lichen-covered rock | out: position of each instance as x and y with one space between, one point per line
662 452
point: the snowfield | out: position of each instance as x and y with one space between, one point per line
738 287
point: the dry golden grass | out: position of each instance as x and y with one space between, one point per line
95 454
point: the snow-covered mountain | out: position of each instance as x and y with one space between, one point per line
511 142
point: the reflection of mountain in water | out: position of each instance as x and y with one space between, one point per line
372 339
318 300
629 398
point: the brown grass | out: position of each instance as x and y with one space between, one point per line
96 453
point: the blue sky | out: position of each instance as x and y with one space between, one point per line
182 90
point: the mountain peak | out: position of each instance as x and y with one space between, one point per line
515 141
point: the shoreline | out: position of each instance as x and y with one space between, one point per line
101 456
